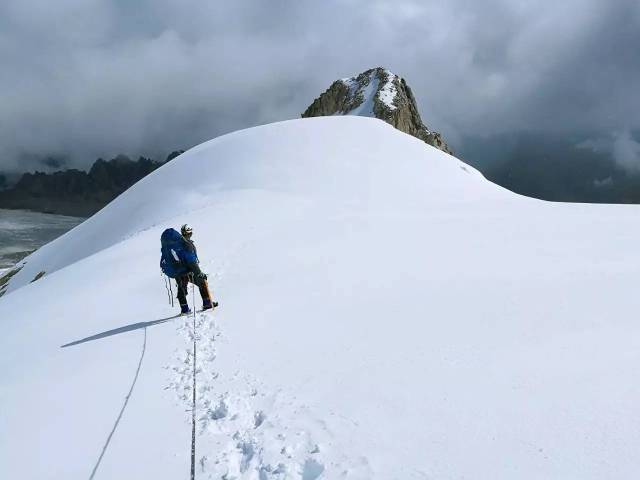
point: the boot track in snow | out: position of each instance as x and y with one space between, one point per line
247 429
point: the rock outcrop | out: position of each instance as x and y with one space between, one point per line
376 93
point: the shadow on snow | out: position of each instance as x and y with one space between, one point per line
119 330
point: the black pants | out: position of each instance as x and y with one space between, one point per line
183 285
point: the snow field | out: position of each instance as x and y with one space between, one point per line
385 313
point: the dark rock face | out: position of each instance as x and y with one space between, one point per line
338 99
376 93
74 192
4 279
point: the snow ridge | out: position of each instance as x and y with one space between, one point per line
386 312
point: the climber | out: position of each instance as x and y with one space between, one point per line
179 260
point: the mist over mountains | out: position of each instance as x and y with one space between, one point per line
75 192
588 167
570 168
147 77
518 82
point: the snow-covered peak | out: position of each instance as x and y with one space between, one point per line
375 85
377 93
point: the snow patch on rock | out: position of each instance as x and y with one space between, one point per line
368 88
377 93
388 92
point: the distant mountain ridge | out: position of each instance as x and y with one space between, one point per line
377 93
75 192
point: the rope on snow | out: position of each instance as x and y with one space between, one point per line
193 406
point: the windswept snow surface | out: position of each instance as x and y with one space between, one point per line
385 313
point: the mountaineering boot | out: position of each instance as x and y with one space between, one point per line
207 304
184 309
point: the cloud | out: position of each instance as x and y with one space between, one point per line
88 78
606 183
626 151
621 146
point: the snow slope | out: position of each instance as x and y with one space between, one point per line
385 313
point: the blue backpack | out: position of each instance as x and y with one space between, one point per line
173 254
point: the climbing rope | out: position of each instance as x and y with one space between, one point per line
193 406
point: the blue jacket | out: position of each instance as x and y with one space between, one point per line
190 256
178 254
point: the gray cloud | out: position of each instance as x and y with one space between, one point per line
621 146
88 78
626 151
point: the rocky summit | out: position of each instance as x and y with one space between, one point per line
376 93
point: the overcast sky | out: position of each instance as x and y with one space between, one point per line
92 78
